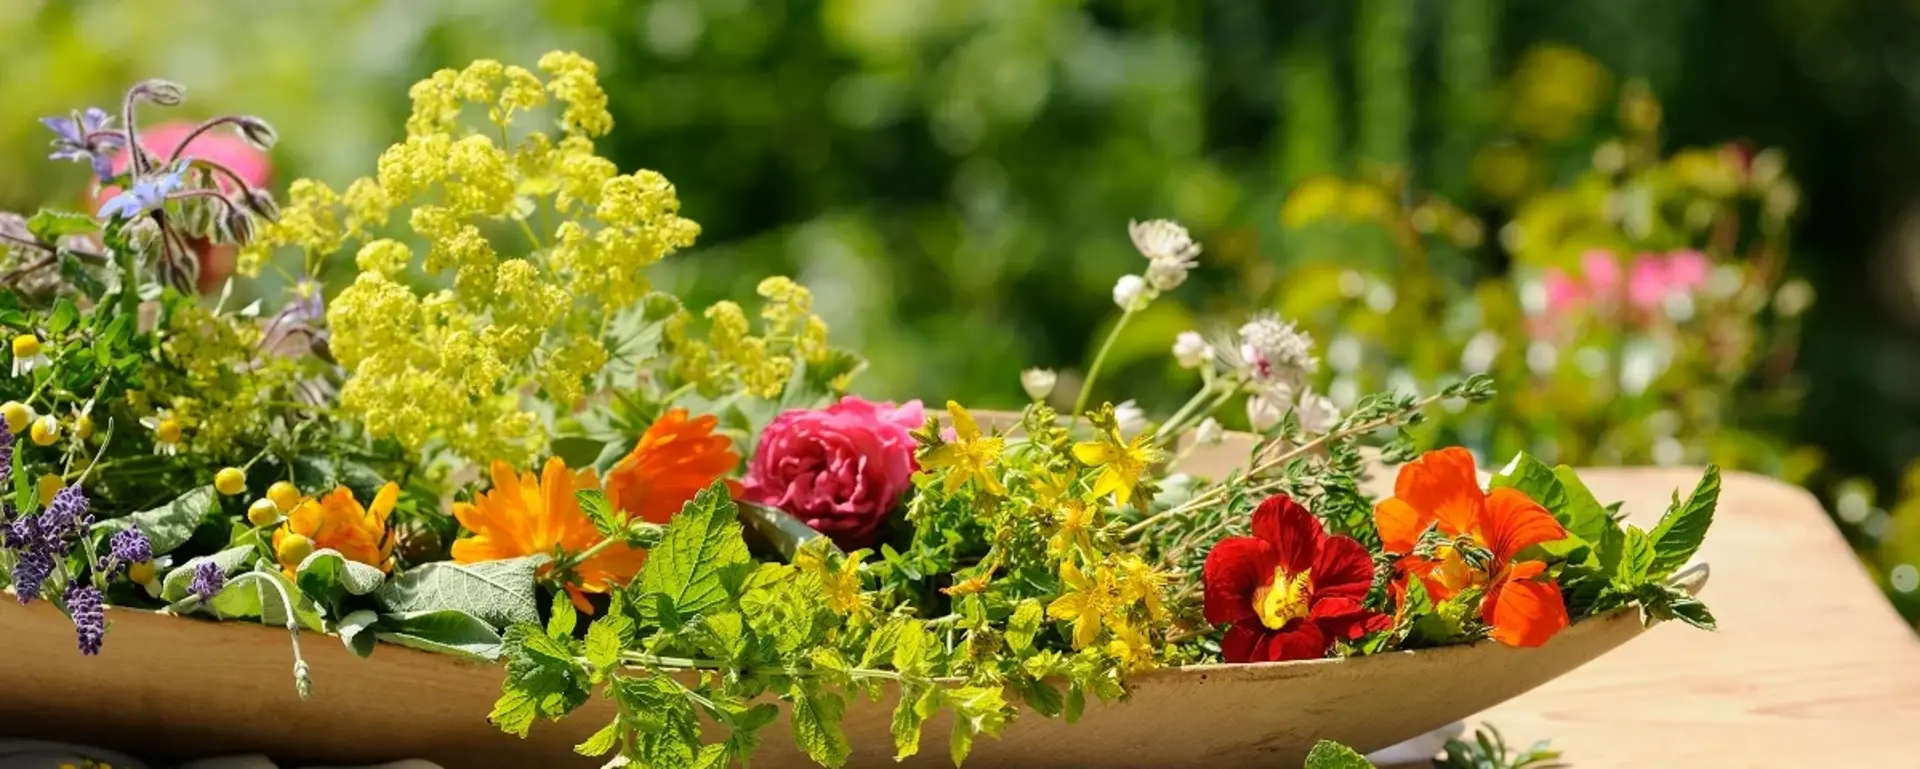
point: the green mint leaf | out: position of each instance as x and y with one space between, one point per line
541 680
564 618
976 710
1636 559
606 639
599 510
499 592
724 636
1039 695
1076 702
556 649
446 631
50 226
514 712
912 650
713 756
1024 623
602 741
1333 755
1535 479
701 552
881 644
816 716
170 525
1583 515
1684 527
327 573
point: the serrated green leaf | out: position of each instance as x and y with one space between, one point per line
559 650
1583 515
1636 559
1684 526
911 650
326 573
501 593
179 581
50 226
354 631
713 756
1333 755
724 636
170 525
537 683
514 712
1535 479
449 632
1024 623
607 637
701 552
601 741
977 710
563 618
881 643
1039 695
816 717
599 510
908 716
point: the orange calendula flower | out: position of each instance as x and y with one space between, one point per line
1440 489
336 521
674 460
526 515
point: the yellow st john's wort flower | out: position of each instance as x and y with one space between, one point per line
337 522
968 456
1074 520
1090 602
840 584
1123 462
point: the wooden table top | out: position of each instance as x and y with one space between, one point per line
1810 667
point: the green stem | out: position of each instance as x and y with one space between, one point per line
1093 372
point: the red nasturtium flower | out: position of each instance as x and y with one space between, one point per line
1289 590
1440 489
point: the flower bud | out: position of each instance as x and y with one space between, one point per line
1191 350
257 132
45 431
165 93
262 203
293 548
141 573
283 495
262 512
47 486
238 225
17 414
83 426
230 481
142 233
1130 293
1209 433
1038 382
1166 275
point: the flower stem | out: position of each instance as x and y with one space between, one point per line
1093 371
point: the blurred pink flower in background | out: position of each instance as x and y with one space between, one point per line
1650 278
220 145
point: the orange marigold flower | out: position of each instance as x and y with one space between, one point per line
1440 489
336 521
674 460
527 515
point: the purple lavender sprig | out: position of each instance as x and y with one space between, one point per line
6 453
126 548
89 616
41 541
208 580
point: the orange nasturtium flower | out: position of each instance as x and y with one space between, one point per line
526 515
1523 607
336 521
674 460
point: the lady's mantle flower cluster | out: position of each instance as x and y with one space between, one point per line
447 368
732 357
1170 254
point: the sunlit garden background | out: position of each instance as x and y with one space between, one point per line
1677 232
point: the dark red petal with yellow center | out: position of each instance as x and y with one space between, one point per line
1342 569
1294 533
1522 610
1236 567
1347 618
1514 522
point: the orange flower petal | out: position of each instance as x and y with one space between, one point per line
1513 522
672 462
1524 612
1400 524
1441 484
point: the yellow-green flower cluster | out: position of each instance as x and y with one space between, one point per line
732 357
530 302
220 383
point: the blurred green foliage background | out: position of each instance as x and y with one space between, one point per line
953 178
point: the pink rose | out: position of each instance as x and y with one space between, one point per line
841 469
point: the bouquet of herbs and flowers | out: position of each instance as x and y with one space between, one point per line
501 442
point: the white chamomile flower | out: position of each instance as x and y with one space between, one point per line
167 431
1038 382
27 354
1191 350
1130 293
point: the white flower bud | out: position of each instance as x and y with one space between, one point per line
1316 413
1130 292
1265 411
1165 275
1129 417
1038 382
1191 350
1161 240
1209 432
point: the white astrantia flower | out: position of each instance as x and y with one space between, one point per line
1276 353
1316 413
1130 418
1130 292
1038 382
1169 250
1209 432
1264 410
1191 350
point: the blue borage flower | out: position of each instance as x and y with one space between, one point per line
147 194
85 136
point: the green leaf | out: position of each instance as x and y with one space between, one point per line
594 503
1636 559
563 619
700 554
816 717
538 683
916 703
976 710
499 593
556 649
1333 755
515 712
1583 515
50 226
1684 526
179 581
724 636
576 450
602 741
606 639
1039 695
1024 623
353 630
258 595
1076 703
446 631
170 525
326 572
1535 479
63 317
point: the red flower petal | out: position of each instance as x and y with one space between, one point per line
1235 568
1294 533
1524 612
1513 522
1342 568
1346 618
1241 641
1299 640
